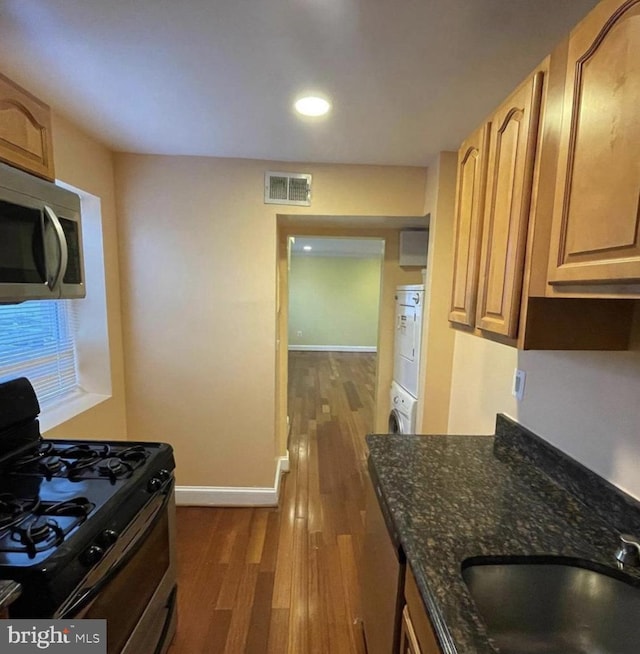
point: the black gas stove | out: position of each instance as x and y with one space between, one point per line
74 514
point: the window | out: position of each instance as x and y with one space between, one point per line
38 341
63 343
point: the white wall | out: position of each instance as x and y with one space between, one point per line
588 405
585 403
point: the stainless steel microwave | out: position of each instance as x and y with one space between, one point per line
40 239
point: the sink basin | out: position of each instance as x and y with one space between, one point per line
555 608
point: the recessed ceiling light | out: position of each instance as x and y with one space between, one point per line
307 248
312 105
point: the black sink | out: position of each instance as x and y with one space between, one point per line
555 608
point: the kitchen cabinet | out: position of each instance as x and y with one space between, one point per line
470 189
25 130
596 217
382 579
515 306
512 150
408 639
417 635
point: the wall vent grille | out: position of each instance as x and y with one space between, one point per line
287 188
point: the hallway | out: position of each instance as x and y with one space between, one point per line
285 580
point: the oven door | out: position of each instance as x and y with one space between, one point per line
134 589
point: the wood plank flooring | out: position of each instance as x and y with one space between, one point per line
285 580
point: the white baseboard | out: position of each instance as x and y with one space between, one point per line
333 348
233 495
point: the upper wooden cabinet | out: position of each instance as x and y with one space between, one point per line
596 217
471 184
25 130
512 150
515 306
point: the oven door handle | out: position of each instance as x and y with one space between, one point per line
84 595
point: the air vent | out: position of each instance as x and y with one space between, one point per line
287 188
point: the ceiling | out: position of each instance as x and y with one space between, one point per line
407 78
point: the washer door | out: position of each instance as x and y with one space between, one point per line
395 422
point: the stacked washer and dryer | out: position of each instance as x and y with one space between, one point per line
406 362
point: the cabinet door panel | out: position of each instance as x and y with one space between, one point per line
596 232
25 130
472 166
509 183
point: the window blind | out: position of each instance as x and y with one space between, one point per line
38 341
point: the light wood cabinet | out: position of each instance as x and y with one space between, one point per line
470 191
25 130
408 639
382 579
596 217
416 635
516 305
512 151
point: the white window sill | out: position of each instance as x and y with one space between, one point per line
56 413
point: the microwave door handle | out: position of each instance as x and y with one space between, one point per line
54 280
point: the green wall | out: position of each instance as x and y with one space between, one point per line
334 301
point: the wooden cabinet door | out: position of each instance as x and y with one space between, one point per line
512 149
596 219
408 640
417 629
470 190
381 581
25 130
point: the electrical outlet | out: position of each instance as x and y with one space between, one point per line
299 332
519 377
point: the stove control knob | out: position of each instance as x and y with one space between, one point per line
107 538
92 555
154 485
163 474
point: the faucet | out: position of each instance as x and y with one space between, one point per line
628 552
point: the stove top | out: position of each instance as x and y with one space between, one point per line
48 492
81 461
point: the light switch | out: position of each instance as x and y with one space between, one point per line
519 377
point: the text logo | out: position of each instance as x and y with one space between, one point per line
53 636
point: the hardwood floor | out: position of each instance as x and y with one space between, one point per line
285 580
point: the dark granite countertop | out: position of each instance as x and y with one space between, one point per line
452 498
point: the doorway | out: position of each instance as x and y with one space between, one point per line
334 288
334 293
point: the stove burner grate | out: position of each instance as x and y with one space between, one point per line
43 525
82 461
14 509
78 506
38 531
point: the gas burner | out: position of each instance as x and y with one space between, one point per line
37 533
135 454
42 525
50 465
115 468
14 509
